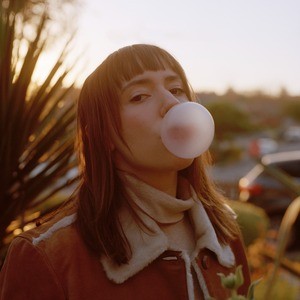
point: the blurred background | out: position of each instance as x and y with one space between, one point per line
241 58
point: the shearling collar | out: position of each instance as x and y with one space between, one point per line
147 246
161 207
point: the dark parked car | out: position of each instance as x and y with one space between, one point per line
263 190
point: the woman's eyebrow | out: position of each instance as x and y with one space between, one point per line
141 81
171 78
135 82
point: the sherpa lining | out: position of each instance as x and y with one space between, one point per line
147 247
64 222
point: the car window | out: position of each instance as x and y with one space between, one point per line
290 167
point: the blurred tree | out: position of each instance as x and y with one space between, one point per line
283 94
37 121
292 110
229 119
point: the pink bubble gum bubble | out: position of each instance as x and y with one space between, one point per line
187 130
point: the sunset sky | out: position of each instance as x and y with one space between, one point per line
246 45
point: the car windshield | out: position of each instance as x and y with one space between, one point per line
290 167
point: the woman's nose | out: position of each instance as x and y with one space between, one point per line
168 102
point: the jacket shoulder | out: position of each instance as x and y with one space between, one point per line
56 238
49 230
28 273
59 228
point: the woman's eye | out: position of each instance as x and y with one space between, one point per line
138 98
177 91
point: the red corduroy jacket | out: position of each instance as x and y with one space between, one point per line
52 262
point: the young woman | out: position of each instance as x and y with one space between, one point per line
145 224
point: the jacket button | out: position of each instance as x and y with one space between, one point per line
205 262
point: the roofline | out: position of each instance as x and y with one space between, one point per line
281 156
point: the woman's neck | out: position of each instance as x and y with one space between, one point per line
165 182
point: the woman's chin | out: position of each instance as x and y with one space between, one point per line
182 163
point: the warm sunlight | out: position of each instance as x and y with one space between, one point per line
119 169
244 45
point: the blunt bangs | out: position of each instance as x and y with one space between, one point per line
134 60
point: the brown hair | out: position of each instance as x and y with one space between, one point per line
101 192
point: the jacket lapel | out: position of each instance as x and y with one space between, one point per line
147 246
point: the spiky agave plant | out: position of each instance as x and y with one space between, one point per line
36 121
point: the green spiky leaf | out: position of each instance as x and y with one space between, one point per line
37 121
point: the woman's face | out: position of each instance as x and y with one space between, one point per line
144 100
